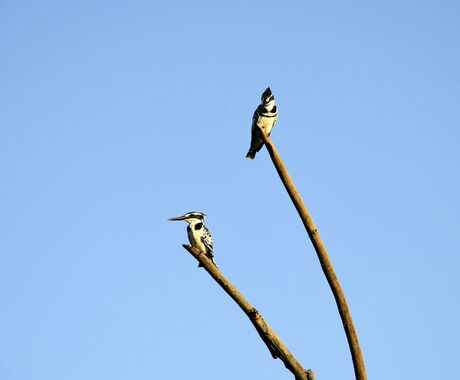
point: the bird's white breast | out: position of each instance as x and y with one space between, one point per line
194 236
266 123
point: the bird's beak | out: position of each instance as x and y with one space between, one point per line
178 218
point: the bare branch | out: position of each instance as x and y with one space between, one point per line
275 346
326 265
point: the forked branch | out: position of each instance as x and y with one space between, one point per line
326 265
275 346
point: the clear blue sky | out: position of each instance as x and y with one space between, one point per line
118 115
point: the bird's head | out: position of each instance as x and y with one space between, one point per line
191 217
267 97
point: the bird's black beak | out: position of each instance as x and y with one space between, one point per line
178 218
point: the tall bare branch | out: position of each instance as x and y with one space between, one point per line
326 265
274 344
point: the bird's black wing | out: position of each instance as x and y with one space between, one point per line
255 117
207 241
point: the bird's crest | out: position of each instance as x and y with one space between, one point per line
267 95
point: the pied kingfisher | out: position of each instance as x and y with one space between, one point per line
265 117
198 235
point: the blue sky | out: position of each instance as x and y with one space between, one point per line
118 115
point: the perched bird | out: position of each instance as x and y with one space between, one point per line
198 235
265 117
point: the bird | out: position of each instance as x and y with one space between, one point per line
198 235
265 117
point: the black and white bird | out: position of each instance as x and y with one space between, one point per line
198 235
265 117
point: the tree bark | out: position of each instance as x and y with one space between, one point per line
326 265
274 344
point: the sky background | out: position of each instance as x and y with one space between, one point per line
116 116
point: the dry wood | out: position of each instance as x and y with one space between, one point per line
274 344
326 265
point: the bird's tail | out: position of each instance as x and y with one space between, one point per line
251 154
